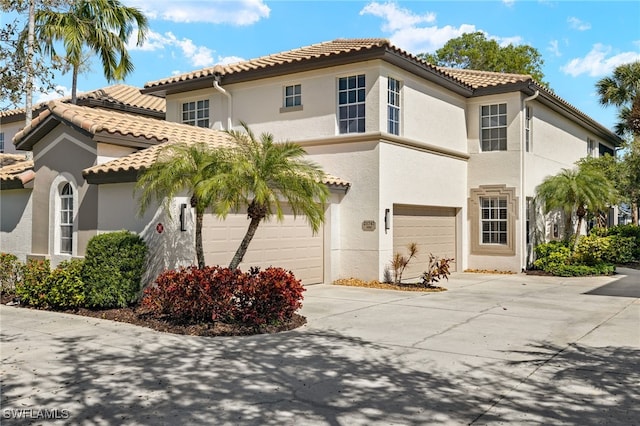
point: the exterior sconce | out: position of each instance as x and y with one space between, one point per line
387 220
183 217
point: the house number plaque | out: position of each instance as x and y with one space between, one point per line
369 225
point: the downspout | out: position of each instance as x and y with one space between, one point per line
523 181
216 85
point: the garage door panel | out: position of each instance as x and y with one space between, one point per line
432 228
289 244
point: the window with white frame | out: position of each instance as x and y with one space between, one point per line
527 129
494 220
1 141
592 147
393 106
196 113
292 96
351 104
66 219
493 132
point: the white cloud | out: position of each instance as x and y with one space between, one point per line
408 30
198 56
554 48
396 18
598 62
60 91
226 60
578 24
509 3
238 12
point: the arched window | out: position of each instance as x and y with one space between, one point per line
66 219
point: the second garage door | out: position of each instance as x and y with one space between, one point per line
289 244
432 228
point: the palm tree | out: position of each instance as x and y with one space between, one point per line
579 190
178 168
104 26
263 176
623 91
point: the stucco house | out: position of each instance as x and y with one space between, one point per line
445 158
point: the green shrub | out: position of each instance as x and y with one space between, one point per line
32 286
622 231
552 254
592 250
112 269
622 249
582 270
10 268
65 288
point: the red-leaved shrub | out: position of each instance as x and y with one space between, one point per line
191 295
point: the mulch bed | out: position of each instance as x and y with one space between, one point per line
354 282
135 316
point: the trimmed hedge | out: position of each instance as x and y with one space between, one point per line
255 298
65 288
32 289
113 269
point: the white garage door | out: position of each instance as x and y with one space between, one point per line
289 244
432 228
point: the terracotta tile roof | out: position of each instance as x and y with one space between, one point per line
477 79
142 159
104 121
15 170
116 95
326 49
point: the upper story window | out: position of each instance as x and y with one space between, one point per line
196 113
292 96
493 120
66 219
527 129
604 150
393 106
351 104
1 141
592 148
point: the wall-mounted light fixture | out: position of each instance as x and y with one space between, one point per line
183 217
387 220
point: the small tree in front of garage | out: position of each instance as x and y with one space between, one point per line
178 168
264 176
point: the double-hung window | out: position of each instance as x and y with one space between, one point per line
393 106
1 141
351 104
592 147
494 220
66 219
196 113
292 96
493 130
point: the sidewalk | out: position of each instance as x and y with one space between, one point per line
493 349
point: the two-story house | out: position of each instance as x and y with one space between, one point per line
445 158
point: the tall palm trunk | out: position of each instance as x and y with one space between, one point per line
244 245
74 85
581 213
28 106
199 249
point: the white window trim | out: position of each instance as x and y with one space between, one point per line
284 107
196 119
528 128
505 126
338 105
395 104
592 148
55 220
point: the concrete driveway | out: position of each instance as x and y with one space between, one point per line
493 349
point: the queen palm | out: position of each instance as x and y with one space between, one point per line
103 26
622 90
577 190
263 176
182 168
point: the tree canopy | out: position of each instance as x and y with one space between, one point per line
622 90
475 52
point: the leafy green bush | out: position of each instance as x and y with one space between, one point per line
112 269
32 286
592 249
630 241
65 288
582 270
552 254
10 267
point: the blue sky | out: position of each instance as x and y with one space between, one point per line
580 41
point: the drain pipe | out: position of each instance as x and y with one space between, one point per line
523 181
216 85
